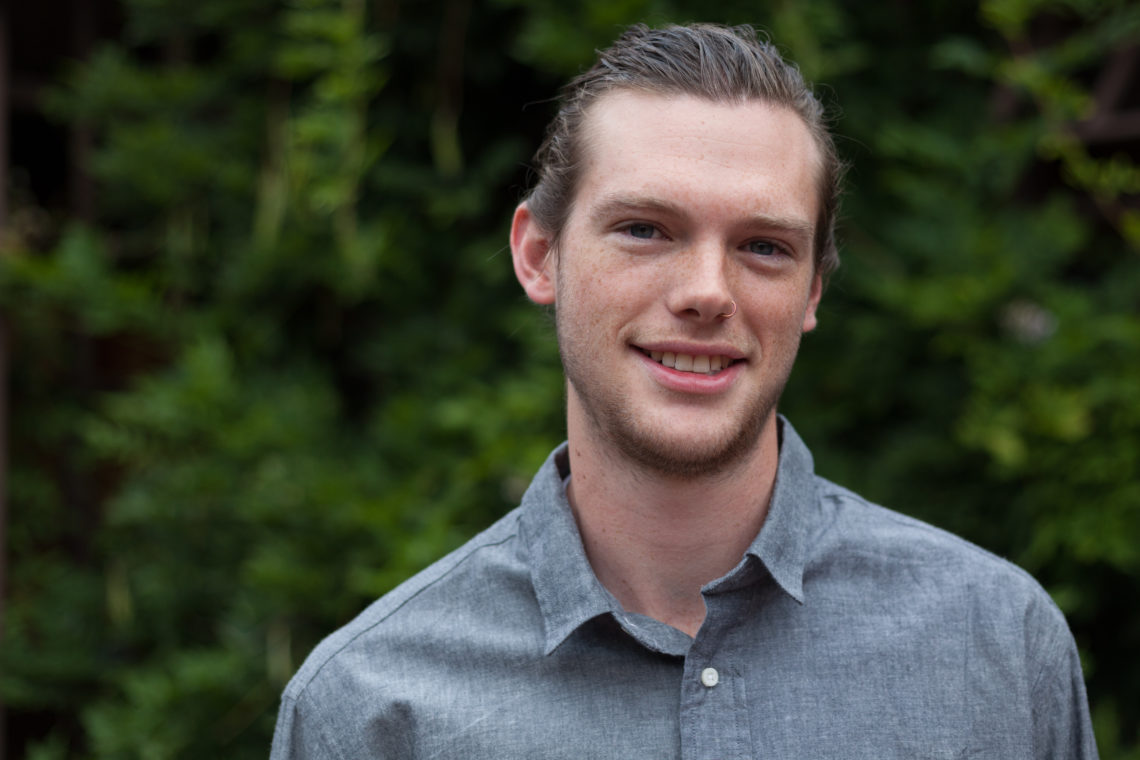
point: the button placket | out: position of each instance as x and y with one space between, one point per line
715 722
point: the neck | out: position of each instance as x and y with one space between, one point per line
654 541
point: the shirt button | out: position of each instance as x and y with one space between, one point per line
709 677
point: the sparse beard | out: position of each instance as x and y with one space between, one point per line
670 459
609 413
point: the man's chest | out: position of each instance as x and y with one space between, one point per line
822 688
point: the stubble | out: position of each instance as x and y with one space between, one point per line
610 413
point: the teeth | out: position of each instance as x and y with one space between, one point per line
701 364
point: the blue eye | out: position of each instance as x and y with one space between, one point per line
643 231
762 247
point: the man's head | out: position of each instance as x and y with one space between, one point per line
707 61
678 231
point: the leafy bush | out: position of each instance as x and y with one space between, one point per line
289 366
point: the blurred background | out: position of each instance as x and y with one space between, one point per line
262 355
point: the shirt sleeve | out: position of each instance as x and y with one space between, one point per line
1062 728
299 736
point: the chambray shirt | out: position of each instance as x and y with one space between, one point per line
846 631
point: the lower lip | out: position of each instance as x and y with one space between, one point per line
691 382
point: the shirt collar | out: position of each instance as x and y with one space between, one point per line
568 592
782 543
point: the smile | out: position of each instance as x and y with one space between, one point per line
699 364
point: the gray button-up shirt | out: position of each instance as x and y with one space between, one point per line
846 631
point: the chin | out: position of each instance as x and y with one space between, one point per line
674 457
651 436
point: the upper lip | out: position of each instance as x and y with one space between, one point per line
692 349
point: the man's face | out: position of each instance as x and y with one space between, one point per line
685 207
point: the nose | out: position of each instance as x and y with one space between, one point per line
701 291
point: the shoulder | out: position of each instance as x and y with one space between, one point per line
904 558
451 596
856 525
922 609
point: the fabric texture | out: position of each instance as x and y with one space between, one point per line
846 631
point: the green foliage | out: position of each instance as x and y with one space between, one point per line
1001 401
289 366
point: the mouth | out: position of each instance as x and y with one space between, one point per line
700 364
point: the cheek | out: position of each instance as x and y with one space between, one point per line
598 283
778 313
585 300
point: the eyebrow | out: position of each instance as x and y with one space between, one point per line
612 204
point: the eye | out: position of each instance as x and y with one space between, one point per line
641 230
762 248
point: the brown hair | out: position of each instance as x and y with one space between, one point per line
718 63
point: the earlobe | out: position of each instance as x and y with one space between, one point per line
810 319
531 253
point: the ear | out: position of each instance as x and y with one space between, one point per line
531 249
816 293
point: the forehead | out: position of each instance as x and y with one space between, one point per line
699 152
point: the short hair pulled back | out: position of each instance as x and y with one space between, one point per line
717 63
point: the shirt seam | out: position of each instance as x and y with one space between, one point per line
472 550
1055 647
838 493
323 729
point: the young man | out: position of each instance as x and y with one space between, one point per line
677 581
